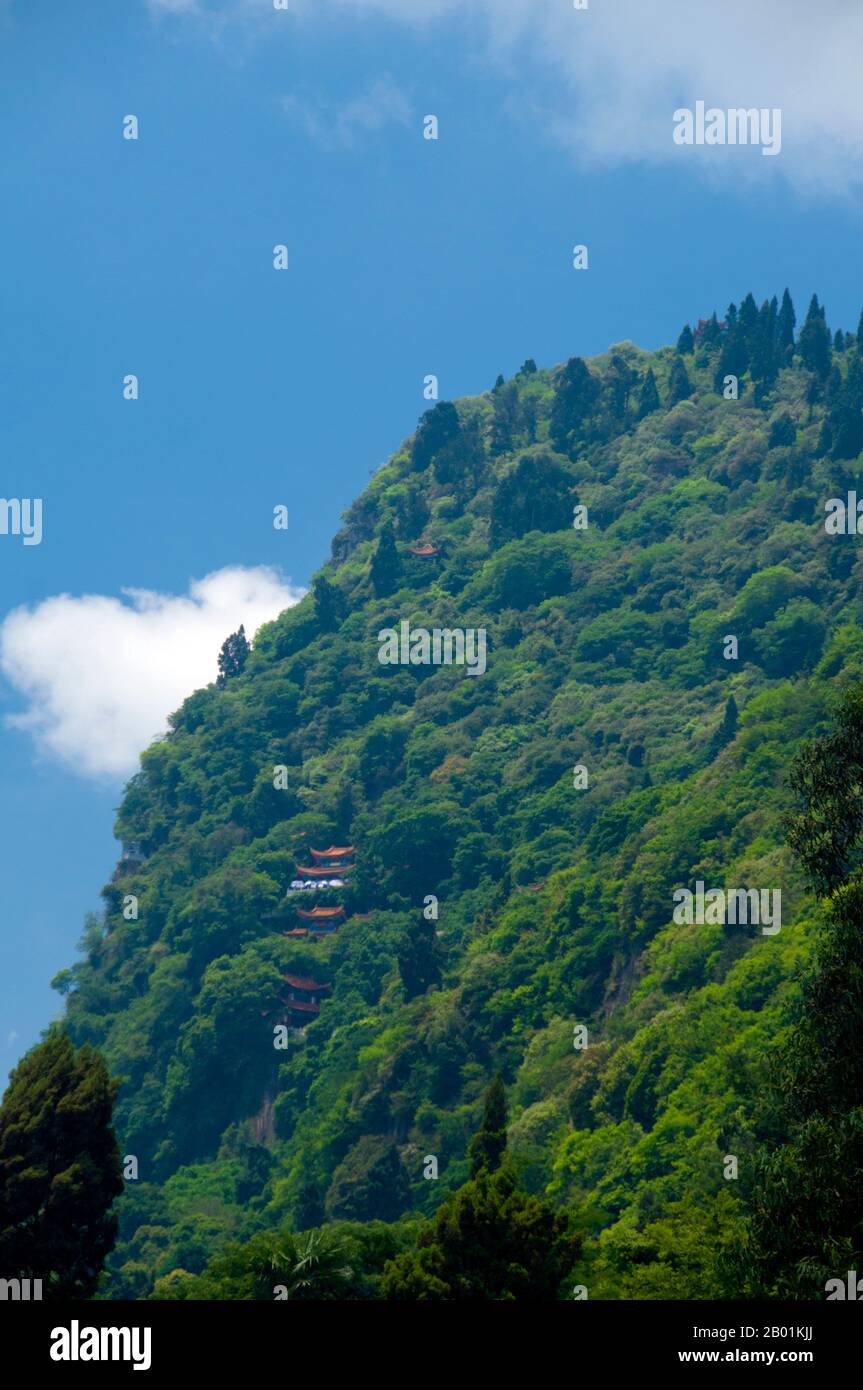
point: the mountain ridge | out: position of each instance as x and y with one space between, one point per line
606 652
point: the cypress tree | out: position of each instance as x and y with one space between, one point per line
328 604
505 424
785 327
748 324
845 413
765 361
734 357
575 394
619 382
385 564
648 399
686 341
679 385
814 344
711 333
727 729
60 1169
233 656
488 1145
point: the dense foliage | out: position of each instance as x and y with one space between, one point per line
806 1221
60 1169
609 524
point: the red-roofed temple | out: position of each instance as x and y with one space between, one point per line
301 1001
321 921
328 863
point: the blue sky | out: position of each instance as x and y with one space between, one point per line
407 256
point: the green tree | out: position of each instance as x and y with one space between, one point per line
679 385
274 1265
488 1145
783 431
490 1242
313 1269
814 342
792 641
329 606
575 395
845 413
734 357
619 381
412 509
419 958
785 327
437 428
827 834
765 357
371 1183
533 496
727 729
710 333
648 399
385 566
309 1207
233 656
505 423
686 342
747 323
60 1169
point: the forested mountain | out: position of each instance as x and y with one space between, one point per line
518 831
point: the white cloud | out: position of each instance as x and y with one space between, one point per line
381 103
100 676
621 67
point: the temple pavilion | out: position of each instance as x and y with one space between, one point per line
321 921
328 863
300 1004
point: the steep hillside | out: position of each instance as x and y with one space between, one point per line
604 529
